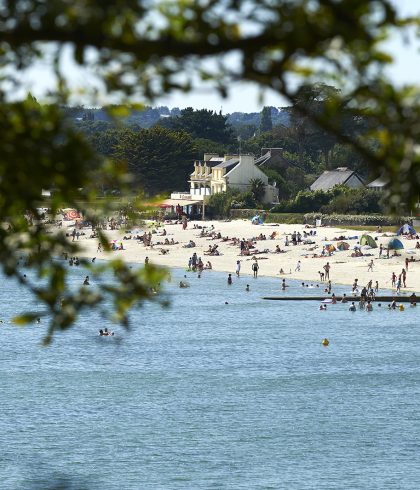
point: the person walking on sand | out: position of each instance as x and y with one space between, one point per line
238 267
399 284
255 268
327 268
406 263
393 279
99 249
404 277
381 247
297 269
370 266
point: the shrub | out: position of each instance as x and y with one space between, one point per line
356 220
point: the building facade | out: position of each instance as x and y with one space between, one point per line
215 174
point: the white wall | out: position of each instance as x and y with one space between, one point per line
240 176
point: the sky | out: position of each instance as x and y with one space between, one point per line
242 97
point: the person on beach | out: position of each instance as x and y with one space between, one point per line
229 280
327 268
355 286
376 286
370 266
398 285
321 275
238 267
381 248
393 279
406 263
255 267
297 268
404 277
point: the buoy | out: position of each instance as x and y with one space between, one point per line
401 307
325 342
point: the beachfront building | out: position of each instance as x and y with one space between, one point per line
339 176
215 174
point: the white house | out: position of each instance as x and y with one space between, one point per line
216 174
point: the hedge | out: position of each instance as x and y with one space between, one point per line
327 219
356 219
287 218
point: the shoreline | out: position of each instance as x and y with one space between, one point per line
344 268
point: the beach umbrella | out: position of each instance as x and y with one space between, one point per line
406 230
343 246
368 240
71 215
395 244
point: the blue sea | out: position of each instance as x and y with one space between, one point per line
208 395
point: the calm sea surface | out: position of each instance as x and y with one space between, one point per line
208 395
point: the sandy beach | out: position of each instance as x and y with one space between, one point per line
344 268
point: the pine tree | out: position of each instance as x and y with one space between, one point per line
266 123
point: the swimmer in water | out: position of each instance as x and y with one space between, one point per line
86 281
247 288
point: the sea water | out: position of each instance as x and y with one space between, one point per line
208 395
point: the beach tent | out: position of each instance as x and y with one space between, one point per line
330 247
368 240
343 246
395 244
406 230
256 220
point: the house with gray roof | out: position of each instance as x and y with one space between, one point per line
339 176
379 184
215 174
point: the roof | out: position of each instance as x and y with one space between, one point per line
228 164
379 182
213 161
263 159
331 178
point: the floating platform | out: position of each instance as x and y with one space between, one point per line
378 299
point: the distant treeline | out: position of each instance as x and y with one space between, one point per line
158 146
